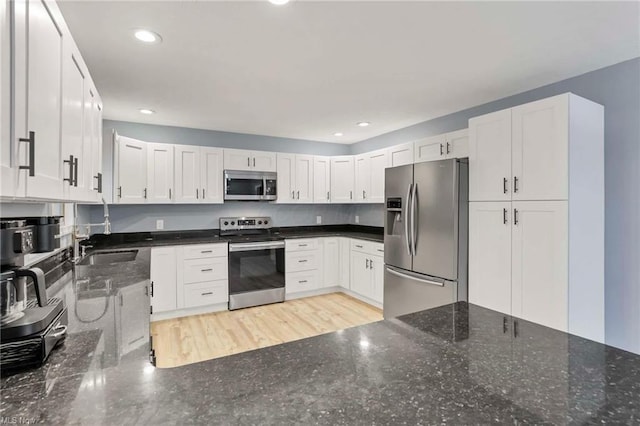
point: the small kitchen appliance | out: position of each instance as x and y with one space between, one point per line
29 329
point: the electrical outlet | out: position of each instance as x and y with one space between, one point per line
159 224
357 219
318 220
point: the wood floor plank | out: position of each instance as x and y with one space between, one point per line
196 338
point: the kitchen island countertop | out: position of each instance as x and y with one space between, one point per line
458 364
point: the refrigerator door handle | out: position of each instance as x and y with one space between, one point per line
413 276
414 221
407 207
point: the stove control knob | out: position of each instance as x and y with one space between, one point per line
226 222
232 222
266 222
259 222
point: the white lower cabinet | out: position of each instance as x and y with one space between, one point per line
303 265
367 270
331 261
189 277
163 279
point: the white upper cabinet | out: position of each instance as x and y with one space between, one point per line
490 157
321 179
211 160
540 150
539 290
187 174
342 179
295 178
490 255
7 173
130 182
75 146
304 178
363 177
93 130
240 159
430 149
457 144
401 155
38 54
159 173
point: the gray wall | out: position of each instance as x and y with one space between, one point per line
617 88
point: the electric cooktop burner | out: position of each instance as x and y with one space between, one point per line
248 229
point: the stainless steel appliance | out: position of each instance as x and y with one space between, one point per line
47 233
30 329
425 236
256 261
250 186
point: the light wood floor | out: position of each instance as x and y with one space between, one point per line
186 340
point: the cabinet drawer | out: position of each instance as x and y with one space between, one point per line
369 247
301 244
201 270
207 293
302 261
201 251
301 281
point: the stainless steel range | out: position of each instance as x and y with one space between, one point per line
256 261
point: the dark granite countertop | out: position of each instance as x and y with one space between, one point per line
163 238
458 364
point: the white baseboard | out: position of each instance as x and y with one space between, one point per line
310 293
361 298
186 312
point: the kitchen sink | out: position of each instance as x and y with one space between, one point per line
109 257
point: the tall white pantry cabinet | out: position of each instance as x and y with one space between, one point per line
536 213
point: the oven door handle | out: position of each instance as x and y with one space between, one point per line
235 247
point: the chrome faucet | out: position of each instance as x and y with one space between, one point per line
77 236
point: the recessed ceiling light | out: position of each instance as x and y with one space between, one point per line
147 36
363 123
146 111
279 2
337 134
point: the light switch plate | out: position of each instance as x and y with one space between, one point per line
357 219
318 220
159 224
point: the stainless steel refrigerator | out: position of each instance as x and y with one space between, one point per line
426 234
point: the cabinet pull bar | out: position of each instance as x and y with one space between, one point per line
248 162
145 193
381 250
515 184
302 261
515 216
505 327
206 251
70 162
515 328
169 193
203 193
327 195
504 185
206 270
197 194
364 194
120 192
504 216
359 246
302 282
448 148
298 195
98 179
151 288
441 149
367 264
31 140
75 172
208 293
351 195
302 245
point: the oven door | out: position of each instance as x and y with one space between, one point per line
247 186
256 273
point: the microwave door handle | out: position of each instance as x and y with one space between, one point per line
407 205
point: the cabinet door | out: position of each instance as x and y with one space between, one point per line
331 260
361 282
401 155
133 317
321 179
263 161
430 149
38 61
131 171
187 174
237 159
159 173
286 178
95 175
163 279
490 157
76 149
540 277
342 179
376 265
379 161
345 262
211 179
363 177
541 150
490 255
7 173
304 178
457 144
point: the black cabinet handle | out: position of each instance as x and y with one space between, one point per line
504 216
206 251
302 282
515 184
207 293
98 178
504 185
327 195
145 193
206 270
248 162
169 193
516 331
515 216
203 193
151 288
254 161
441 149
75 172
197 194
505 327
359 246
367 264
31 140
120 192
302 261
448 148
70 162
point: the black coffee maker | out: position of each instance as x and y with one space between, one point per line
29 329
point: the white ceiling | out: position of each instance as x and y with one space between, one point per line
309 69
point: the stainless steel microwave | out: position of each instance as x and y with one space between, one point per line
250 186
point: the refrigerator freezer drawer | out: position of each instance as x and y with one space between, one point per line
406 292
